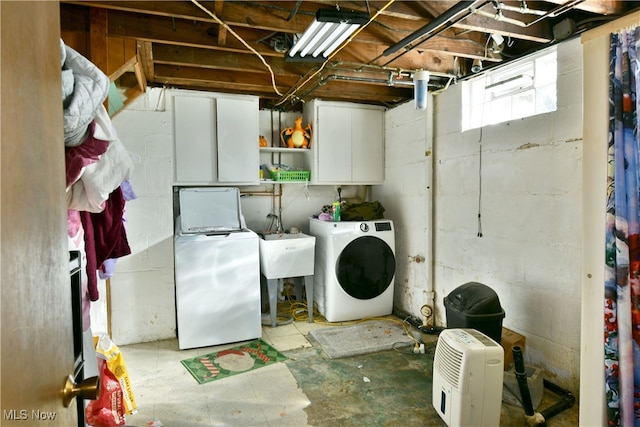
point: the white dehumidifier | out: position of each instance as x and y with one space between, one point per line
467 378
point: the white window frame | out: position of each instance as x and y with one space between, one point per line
524 88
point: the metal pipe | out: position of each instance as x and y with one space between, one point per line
437 31
294 11
269 193
358 66
367 80
325 80
440 20
271 126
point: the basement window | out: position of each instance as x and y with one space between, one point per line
522 89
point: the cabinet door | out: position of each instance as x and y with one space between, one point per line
334 144
238 154
367 145
195 139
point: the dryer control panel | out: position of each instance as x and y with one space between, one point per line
383 226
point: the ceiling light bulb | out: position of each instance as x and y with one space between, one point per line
306 36
334 34
317 38
347 32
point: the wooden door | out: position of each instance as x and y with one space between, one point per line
37 344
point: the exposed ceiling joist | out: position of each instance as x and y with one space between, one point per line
179 44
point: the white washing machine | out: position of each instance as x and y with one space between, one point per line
354 268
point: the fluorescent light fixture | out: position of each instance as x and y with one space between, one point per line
330 28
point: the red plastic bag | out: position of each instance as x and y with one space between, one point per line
108 409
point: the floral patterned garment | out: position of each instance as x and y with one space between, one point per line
622 268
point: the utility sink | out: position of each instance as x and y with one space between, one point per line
287 255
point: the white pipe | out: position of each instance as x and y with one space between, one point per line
523 10
550 14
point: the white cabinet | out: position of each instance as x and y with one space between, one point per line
215 138
348 142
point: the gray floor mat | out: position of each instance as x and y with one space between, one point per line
362 338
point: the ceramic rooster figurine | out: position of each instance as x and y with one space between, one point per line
296 137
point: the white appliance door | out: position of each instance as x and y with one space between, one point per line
217 289
210 210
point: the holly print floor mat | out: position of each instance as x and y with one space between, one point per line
232 361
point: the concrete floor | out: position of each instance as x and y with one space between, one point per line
309 389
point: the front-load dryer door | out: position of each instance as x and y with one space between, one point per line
365 267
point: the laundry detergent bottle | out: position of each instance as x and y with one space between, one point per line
336 211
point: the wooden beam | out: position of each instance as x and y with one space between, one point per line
132 65
630 20
222 31
126 67
194 34
258 80
344 90
180 32
140 77
98 49
175 9
349 58
272 16
207 58
145 59
185 34
601 7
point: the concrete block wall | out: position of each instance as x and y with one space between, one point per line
525 179
407 197
142 288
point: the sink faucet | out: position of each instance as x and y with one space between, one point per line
275 219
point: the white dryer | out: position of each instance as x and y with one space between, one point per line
354 268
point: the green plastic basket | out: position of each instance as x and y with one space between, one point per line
290 175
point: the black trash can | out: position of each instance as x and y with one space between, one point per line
475 306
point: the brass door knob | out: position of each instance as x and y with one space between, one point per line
87 389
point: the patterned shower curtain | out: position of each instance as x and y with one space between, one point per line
622 270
